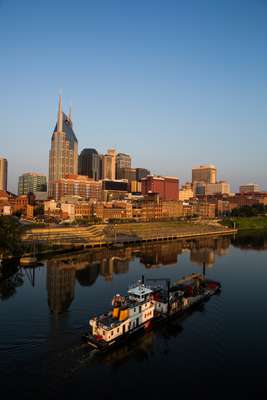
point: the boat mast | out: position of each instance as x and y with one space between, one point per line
204 268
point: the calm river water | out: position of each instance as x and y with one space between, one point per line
218 351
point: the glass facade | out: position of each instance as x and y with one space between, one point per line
63 155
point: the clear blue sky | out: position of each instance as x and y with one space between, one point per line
173 83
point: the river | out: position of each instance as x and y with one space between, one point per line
216 351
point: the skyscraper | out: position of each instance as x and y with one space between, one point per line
63 155
204 173
141 173
3 174
89 163
109 165
122 161
31 182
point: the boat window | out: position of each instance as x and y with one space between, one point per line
118 329
140 308
111 333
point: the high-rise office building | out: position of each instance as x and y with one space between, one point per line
141 173
127 173
3 173
109 165
204 173
31 182
63 155
89 164
122 161
218 188
249 188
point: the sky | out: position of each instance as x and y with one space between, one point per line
173 83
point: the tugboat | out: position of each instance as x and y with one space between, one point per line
147 304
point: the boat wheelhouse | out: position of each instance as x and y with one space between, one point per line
129 313
147 303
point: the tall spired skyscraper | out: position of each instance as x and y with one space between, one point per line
63 155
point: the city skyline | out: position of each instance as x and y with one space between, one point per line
190 93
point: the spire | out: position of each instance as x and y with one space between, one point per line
70 116
60 116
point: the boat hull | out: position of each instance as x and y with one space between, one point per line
141 329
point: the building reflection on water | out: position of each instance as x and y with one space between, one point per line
60 285
156 255
85 268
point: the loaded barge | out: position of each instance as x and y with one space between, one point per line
148 303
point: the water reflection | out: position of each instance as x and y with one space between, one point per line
85 268
11 278
45 348
60 285
253 240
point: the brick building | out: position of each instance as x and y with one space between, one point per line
113 210
78 185
167 187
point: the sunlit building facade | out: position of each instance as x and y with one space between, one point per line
204 173
109 165
3 173
122 161
31 182
78 185
63 155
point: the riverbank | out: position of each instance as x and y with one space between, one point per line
59 240
246 223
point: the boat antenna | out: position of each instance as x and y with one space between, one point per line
204 268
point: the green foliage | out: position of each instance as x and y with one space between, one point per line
18 213
246 223
248 218
249 211
10 236
38 211
87 221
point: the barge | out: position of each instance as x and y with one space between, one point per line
147 303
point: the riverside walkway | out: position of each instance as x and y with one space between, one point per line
110 234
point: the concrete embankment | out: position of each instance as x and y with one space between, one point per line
106 235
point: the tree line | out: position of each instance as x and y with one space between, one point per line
250 211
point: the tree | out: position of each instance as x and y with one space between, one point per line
39 211
10 236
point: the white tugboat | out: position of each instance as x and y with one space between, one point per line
130 314
147 304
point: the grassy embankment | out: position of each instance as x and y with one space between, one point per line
246 223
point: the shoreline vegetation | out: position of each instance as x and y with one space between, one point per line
246 223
